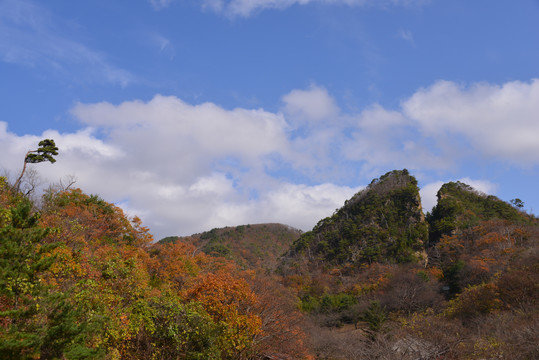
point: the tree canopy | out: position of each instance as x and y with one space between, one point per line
45 152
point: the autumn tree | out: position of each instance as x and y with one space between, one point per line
282 335
230 303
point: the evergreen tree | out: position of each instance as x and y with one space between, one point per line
37 322
47 148
22 260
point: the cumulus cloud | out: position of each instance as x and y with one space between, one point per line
304 205
384 138
246 8
184 168
311 105
183 140
496 120
428 194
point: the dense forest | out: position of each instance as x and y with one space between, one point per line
376 280
250 246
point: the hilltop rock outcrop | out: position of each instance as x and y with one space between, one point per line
382 223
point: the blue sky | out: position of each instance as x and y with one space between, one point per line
199 114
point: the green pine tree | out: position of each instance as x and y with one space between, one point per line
45 152
22 260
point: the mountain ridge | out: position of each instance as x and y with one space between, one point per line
251 245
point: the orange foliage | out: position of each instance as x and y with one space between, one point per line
435 272
490 239
80 219
374 277
480 264
230 302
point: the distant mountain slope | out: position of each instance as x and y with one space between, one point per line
251 246
460 206
382 223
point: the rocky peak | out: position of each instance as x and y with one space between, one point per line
383 222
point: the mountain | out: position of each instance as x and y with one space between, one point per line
472 236
251 246
82 280
357 276
460 207
382 223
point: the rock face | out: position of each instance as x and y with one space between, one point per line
383 223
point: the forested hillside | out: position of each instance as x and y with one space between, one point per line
382 223
80 280
375 280
460 206
375 286
250 246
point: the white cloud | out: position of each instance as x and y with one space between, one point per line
186 140
303 206
187 168
483 186
184 168
383 139
84 144
214 185
312 105
499 121
189 159
428 195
